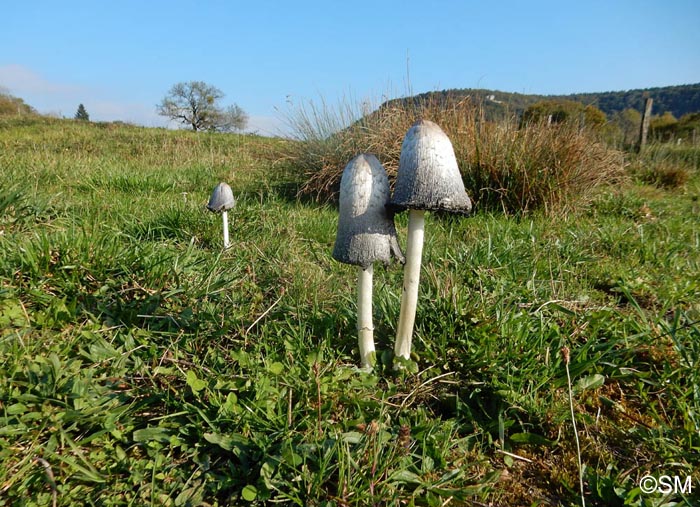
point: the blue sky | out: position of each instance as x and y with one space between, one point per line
119 58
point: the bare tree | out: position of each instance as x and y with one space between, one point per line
196 104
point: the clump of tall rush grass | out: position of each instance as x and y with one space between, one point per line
506 165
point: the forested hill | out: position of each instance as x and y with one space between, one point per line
678 100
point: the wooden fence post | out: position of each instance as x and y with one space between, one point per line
644 130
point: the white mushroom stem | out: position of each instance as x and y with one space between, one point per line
411 278
224 216
365 327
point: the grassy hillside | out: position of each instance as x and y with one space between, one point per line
143 365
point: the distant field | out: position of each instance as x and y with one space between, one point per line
143 365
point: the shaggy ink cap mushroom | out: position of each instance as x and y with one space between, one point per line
366 231
366 234
221 201
428 177
221 198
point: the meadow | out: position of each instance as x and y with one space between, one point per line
141 364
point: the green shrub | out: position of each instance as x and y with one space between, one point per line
504 166
559 111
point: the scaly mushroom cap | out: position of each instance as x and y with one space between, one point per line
428 177
221 198
366 231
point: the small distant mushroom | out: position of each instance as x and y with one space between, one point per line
428 179
221 201
366 234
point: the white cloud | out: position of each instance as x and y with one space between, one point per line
62 99
46 96
22 81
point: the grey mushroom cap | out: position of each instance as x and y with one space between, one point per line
366 231
221 198
428 177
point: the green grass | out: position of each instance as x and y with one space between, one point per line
141 365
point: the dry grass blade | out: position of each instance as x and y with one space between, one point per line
566 355
49 478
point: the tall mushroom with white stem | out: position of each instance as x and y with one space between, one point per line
428 179
366 234
221 201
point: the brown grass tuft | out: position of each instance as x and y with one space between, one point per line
505 166
668 174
